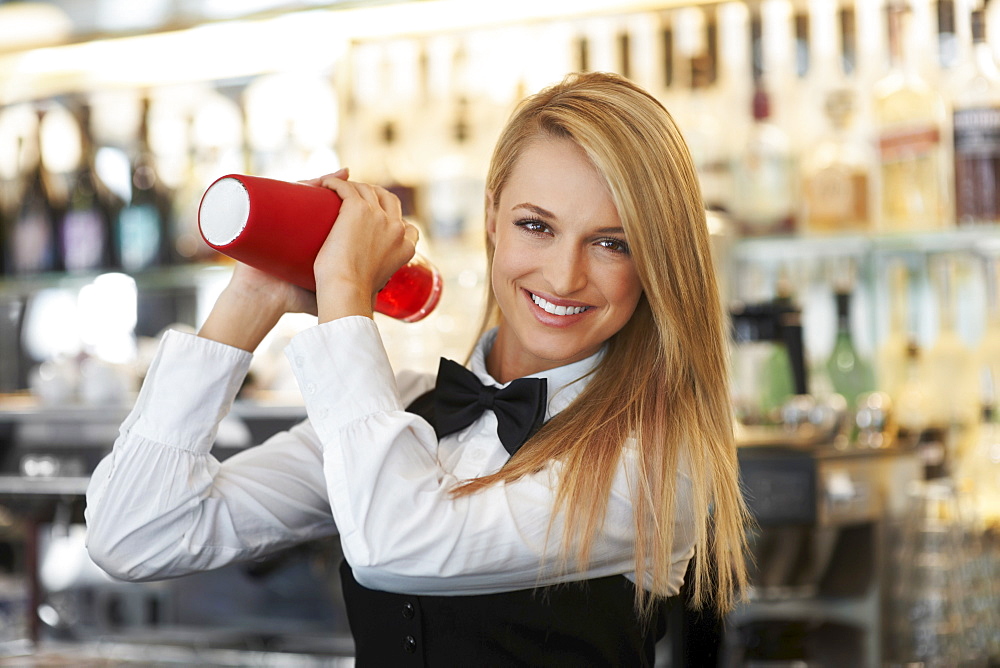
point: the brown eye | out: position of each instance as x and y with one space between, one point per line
533 225
614 245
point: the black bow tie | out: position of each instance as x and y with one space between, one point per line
460 398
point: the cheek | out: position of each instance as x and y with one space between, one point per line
623 286
510 262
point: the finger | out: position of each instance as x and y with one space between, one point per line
411 233
390 203
342 174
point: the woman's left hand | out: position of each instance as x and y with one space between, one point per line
368 243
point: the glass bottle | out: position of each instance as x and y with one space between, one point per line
707 139
981 465
31 246
909 116
850 375
86 232
976 122
454 194
835 174
891 356
949 363
918 427
763 173
988 353
143 231
911 401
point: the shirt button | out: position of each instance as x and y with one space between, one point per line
323 413
409 644
408 611
300 361
311 388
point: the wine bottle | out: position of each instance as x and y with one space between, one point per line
31 246
86 231
850 375
143 230
976 120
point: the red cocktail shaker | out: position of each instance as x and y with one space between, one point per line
279 227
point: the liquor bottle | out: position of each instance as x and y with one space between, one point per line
763 173
143 230
981 464
910 403
919 428
86 231
909 117
32 237
891 356
850 375
708 140
976 122
835 174
949 363
988 353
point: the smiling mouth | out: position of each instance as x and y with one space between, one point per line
549 307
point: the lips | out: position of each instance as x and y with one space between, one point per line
557 309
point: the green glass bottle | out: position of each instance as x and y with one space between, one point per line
850 375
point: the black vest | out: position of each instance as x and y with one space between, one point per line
589 623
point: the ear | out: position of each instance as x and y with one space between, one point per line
491 218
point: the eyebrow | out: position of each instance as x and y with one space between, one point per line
545 213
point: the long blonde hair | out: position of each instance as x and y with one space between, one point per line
664 379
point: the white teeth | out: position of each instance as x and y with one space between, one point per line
557 310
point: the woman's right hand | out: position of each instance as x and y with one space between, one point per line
369 243
251 305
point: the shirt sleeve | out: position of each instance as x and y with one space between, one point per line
160 505
401 529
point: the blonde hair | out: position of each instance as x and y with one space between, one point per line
664 379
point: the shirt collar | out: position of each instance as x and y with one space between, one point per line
565 383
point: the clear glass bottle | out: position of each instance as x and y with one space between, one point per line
909 117
976 123
890 358
835 174
143 229
764 176
988 352
910 412
86 231
850 375
949 363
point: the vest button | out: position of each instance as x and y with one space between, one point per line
408 610
409 644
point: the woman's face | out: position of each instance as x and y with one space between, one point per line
562 273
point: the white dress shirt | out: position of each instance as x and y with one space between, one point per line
160 505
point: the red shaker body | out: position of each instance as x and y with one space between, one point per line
279 227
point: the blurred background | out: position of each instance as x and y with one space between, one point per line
849 157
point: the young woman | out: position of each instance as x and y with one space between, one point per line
603 302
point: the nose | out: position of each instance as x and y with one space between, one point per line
566 269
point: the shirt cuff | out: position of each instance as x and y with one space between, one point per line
190 387
343 372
